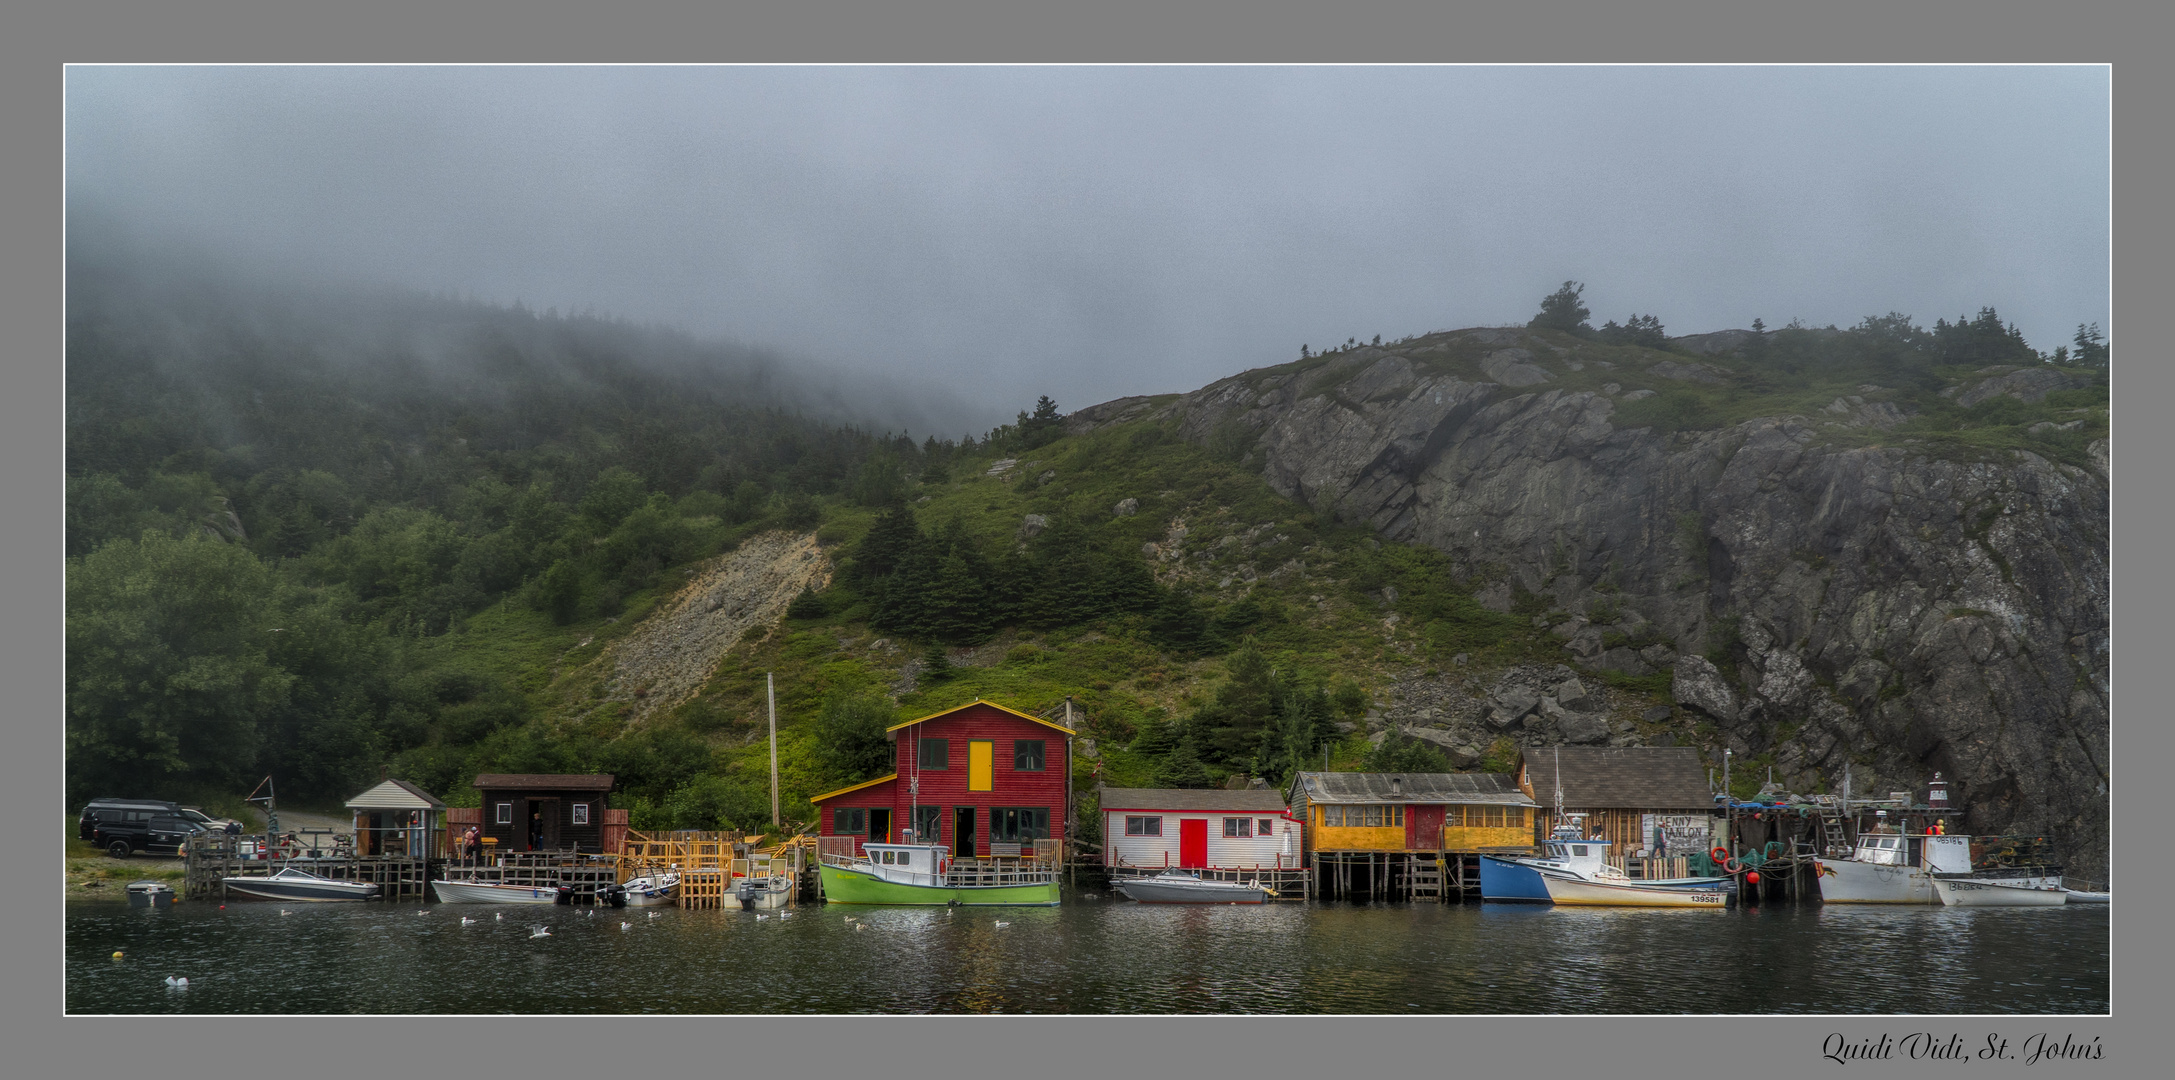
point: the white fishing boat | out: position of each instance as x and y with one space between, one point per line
1999 892
1566 854
491 892
1187 887
653 890
1892 868
1565 890
2085 896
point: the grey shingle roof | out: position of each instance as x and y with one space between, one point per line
1631 777
543 782
1252 800
1351 787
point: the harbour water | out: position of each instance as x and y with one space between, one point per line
1087 956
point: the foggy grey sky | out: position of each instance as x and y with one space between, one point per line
1092 233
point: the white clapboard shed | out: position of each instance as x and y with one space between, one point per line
1199 829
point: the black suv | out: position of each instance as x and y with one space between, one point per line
126 826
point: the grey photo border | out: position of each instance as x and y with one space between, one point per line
1220 31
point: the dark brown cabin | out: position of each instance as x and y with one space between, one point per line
544 811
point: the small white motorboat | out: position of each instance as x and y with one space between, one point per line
1187 887
652 890
762 893
1581 892
295 883
1990 892
489 892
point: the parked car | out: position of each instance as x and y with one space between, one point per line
126 826
104 811
210 823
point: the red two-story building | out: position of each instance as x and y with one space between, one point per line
969 777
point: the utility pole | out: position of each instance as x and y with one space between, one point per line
770 686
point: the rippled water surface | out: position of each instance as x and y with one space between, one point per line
1087 957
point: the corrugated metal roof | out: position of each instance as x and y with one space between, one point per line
395 795
1628 777
544 781
1249 800
1354 787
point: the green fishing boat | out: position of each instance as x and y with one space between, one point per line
924 874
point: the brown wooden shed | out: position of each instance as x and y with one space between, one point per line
1626 793
544 811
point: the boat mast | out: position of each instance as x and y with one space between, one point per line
1559 787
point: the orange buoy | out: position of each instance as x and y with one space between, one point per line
1752 878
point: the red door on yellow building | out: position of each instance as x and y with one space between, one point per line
1423 827
1193 843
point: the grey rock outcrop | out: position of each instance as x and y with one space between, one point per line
1699 685
1126 508
1032 525
1885 606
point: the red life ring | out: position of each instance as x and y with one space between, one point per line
1719 854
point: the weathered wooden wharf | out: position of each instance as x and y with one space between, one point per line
711 863
209 860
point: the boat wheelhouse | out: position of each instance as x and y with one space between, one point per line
1892 868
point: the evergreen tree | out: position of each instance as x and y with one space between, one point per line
2091 347
1562 310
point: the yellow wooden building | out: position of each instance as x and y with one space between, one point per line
1401 827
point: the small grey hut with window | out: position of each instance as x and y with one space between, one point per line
397 818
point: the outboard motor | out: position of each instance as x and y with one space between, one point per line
565 895
612 895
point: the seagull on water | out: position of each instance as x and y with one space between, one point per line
1002 924
181 983
284 911
538 931
422 911
656 914
785 914
760 918
466 921
500 916
589 914
860 926
626 926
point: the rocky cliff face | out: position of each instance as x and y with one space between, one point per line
1878 607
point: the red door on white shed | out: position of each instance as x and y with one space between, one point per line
1193 843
